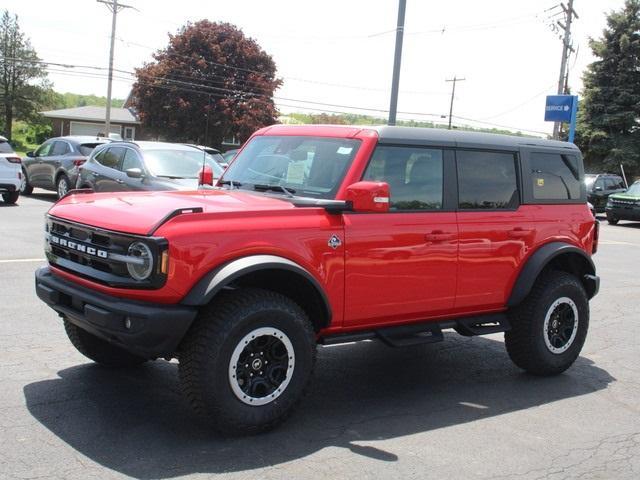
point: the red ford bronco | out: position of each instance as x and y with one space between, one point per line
322 235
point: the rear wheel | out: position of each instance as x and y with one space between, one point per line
549 328
63 185
25 188
612 219
10 197
247 360
98 350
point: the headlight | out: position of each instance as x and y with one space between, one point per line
142 268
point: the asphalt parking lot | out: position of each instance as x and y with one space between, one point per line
457 409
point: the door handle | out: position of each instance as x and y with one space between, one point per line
118 180
439 236
519 232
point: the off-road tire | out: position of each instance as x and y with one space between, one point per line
612 219
525 341
206 352
28 189
60 188
11 197
100 351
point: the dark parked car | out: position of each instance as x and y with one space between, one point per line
215 154
54 165
600 186
122 166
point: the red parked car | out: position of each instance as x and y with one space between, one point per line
322 235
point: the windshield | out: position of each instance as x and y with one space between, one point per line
179 163
306 166
634 189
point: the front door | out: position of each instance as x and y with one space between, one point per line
109 177
401 265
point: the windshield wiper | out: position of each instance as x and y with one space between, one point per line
278 188
231 183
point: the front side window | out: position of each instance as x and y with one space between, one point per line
306 166
487 180
131 160
44 150
414 175
554 176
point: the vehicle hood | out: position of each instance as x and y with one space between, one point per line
141 212
624 196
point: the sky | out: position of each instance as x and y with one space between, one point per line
341 52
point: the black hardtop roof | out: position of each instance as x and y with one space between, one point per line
461 138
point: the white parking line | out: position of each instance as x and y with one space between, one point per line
615 242
22 260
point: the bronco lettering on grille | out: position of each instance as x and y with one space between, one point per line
79 247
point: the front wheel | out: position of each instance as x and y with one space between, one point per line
247 360
25 188
612 219
549 328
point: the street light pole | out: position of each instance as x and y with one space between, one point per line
115 7
397 60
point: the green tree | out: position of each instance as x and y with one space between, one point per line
208 69
23 85
609 120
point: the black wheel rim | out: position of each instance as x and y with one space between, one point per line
261 366
561 325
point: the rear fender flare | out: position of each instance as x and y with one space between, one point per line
541 259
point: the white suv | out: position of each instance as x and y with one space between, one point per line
10 172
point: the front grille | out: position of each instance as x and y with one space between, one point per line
89 252
616 201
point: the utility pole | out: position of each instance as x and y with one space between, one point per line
569 14
397 60
115 7
453 94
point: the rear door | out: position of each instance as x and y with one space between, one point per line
495 231
53 161
107 174
401 265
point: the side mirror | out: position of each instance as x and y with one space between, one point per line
369 197
31 154
134 173
205 176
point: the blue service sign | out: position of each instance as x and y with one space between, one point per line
558 108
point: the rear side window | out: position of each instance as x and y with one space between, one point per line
487 180
110 157
87 148
5 147
414 175
554 176
60 148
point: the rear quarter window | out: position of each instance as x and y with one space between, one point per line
554 176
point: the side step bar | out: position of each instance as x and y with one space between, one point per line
425 332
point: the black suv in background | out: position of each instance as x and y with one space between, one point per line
600 186
54 164
122 166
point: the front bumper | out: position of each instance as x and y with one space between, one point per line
146 329
630 212
9 187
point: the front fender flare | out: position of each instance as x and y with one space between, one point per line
540 259
218 278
